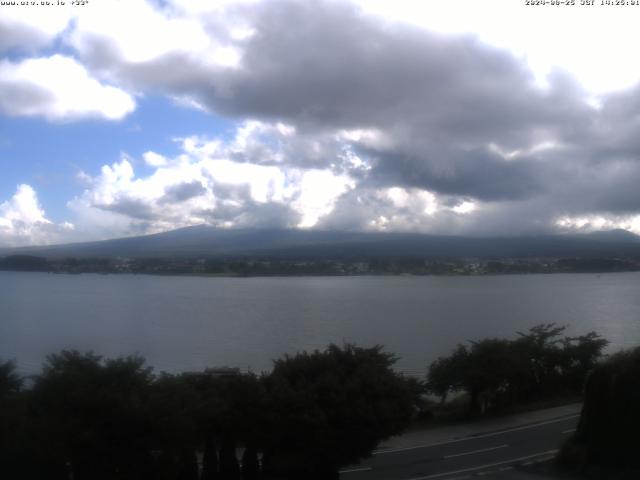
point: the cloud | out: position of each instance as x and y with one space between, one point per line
319 68
58 88
344 120
207 183
183 191
23 221
28 29
515 26
154 160
104 26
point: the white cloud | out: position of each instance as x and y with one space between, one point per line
58 88
22 208
419 202
581 39
319 190
199 7
400 209
465 207
137 30
29 28
23 221
364 122
591 223
206 183
154 160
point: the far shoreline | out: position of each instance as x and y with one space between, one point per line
319 275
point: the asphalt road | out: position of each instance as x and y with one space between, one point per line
494 454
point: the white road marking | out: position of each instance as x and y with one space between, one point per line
571 430
473 437
489 465
352 470
475 451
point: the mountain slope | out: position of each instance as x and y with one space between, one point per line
204 241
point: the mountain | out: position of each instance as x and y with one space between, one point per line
205 241
617 235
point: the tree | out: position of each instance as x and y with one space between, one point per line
93 415
607 435
331 408
174 405
10 381
488 372
12 416
250 464
500 372
230 413
541 346
581 355
210 460
446 374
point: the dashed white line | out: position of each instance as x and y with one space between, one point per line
475 451
489 465
352 470
571 430
473 437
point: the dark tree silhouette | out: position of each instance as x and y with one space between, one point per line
331 408
12 439
88 417
446 374
210 460
250 464
606 439
94 414
498 372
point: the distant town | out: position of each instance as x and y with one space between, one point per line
293 267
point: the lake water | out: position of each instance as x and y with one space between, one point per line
189 323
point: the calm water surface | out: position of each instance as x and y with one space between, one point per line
186 323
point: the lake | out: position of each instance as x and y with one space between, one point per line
189 323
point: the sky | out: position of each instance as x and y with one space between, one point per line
458 117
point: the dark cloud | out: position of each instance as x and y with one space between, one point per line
19 98
458 117
182 192
326 64
233 192
21 37
252 214
130 207
477 173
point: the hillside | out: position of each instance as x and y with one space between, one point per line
204 241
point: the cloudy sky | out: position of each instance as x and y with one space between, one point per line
460 117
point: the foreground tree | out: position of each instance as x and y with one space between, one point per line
12 417
447 374
331 408
92 416
499 372
230 414
485 371
580 355
605 443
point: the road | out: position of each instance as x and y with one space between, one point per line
492 453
